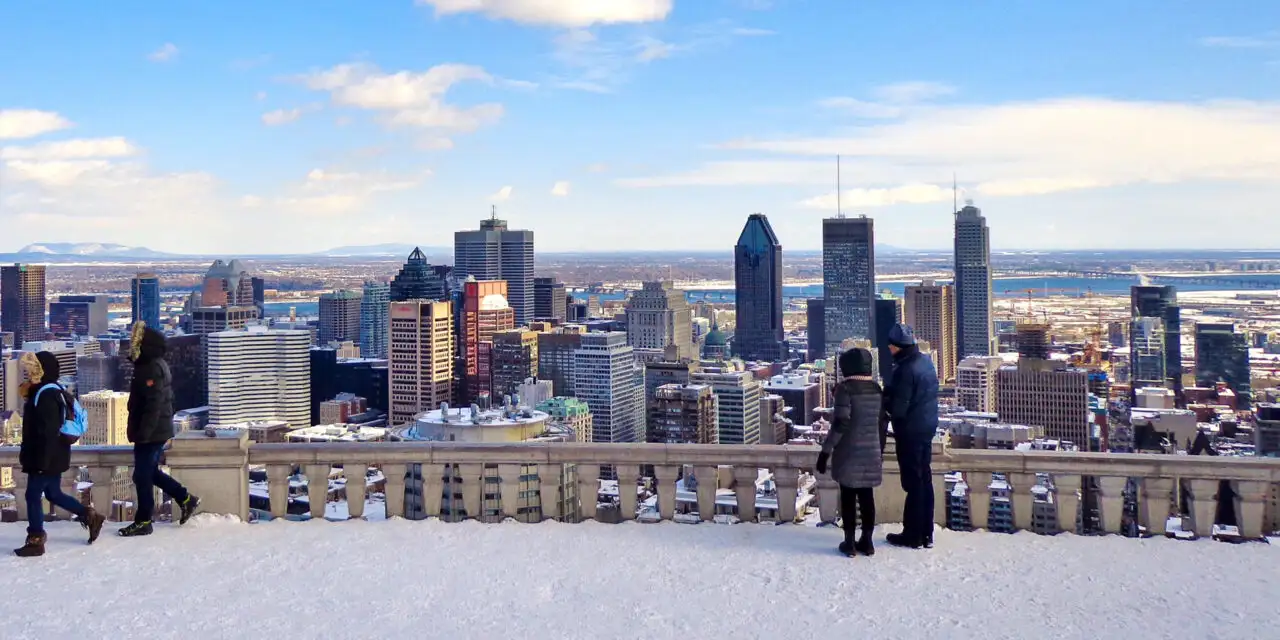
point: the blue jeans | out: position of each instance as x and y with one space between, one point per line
50 487
914 463
147 476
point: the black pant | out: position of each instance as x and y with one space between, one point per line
849 501
147 476
914 460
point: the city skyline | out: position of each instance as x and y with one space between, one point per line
412 118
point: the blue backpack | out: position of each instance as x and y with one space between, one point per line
75 426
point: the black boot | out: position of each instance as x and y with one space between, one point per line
189 507
904 540
93 521
864 545
136 529
34 546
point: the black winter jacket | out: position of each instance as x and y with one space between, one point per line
151 394
911 396
45 451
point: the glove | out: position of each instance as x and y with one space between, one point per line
822 462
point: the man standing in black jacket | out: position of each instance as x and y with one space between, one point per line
150 428
911 400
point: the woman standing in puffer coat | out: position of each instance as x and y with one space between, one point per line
855 447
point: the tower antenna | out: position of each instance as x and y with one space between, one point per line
955 205
839 211
493 212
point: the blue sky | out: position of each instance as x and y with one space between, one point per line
249 127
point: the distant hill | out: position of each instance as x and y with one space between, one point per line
379 250
86 250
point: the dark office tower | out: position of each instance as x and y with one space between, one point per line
227 284
339 316
974 334
78 316
1162 302
185 355
22 302
1222 355
549 299
497 253
324 378
888 313
259 287
417 280
848 279
144 301
757 270
817 328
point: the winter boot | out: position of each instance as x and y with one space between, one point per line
34 546
848 547
93 521
136 529
189 507
904 540
864 545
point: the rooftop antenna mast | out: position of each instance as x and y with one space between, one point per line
839 210
493 212
955 204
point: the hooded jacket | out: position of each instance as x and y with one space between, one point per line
911 396
857 438
151 393
44 450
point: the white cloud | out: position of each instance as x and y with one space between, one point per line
281 116
1266 41
558 13
918 193
168 51
560 188
260 96
116 147
598 167
891 100
501 195
29 123
434 144
407 98
861 108
748 32
325 192
654 49
1022 148
911 92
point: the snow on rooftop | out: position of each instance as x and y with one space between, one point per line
217 578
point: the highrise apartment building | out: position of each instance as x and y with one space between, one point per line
78 316
757 275
815 325
144 299
659 316
22 302
374 319
556 354
228 284
683 414
485 313
10 378
1043 393
421 358
339 316
888 313
605 378
495 252
1161 302
738 403
515 359
976 383
930 310
975 335
1147 359
1222 355
417 280
107 418
259 375
550 300
848 279
205 320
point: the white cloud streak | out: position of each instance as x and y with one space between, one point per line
16 124
407 98
501 195
168 51
558 13
116 147
560 189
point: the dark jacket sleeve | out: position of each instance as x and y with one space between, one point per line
41 443
899 397
150 408
840 419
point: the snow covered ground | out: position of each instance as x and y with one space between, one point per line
217 578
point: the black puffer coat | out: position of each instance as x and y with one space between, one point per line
151 394
45 451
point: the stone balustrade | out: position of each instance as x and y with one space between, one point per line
557 480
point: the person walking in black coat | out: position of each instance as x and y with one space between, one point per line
150 429
46 454
855 448
911 402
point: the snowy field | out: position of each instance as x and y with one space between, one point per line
216 578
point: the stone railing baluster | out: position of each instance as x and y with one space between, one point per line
549 496
628 474
708 484
1157 500
393 493
1204 505
666 475
588 491
318 488
20 494
473 489
744 487
102 494
1067 496
1111 499
509 490
940 500
356 477
787 481
1020 485
278 476
979 483
1250 506
829 499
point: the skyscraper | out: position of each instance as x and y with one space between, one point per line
848 279
757 270
1222 355
515 359
485 313
339 316
417 280
22 302
145 299
815 320
421 358
683 414
1161 302
738 403
930 311
555 359
549 300
976 383
974 333
498 253
107 418
605 378
259 374
374 319
228 284
888 313
659 316
78 316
